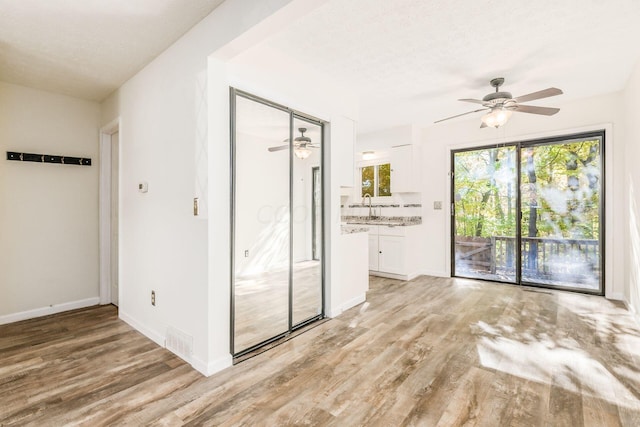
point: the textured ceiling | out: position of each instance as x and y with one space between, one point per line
88 48
409 60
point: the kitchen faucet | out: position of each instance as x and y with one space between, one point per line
363 202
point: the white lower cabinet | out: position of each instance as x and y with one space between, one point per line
373 251
391 254
392 251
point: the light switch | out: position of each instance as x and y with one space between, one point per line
437 205
143 187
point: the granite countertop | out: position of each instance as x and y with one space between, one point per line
352 229
402 221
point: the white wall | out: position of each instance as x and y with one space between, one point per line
163 130
48 212
166 111
601 112
631 105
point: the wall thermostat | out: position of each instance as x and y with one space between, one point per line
143 187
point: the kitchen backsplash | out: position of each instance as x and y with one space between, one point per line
402 205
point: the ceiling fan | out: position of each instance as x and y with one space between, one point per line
501 105
301 145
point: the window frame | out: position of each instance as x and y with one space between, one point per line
376 177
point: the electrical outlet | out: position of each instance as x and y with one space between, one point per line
246 253
153 298
437 205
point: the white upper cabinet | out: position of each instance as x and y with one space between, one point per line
406 172
343 143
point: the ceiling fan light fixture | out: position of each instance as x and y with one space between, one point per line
502 104
496 117
302 152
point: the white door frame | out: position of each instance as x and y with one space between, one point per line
105 209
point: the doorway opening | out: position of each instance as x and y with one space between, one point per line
277 284
531 213
109 212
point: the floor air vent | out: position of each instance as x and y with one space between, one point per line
179 343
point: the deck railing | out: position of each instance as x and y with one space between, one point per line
542 258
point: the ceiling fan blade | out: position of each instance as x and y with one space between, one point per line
545 111
463 114
475 101
278 148
552 91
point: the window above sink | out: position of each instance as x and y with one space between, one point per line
375 180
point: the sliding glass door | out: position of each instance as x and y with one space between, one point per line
277 262
530 213
484 226
561 201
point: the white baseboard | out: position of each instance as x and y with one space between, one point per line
435 273
630 308
403 277
138 326
208 369
618 297
46 311
353 302
335 313
347 305
198 365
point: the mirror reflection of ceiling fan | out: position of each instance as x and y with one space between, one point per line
302 145
501 105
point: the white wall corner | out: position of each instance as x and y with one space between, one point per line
627 304
213 366
219 233
201 144
333 313
353 302
617 296
208 369
46 311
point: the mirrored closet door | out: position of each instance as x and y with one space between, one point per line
277 265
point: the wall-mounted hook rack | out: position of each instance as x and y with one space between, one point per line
48 158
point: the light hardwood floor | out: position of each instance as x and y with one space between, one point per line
430 352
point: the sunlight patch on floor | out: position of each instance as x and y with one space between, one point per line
547 362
